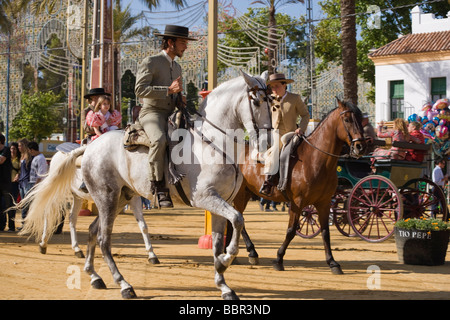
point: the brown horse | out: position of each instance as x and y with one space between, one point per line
313 177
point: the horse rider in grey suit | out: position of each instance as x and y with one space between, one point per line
158 82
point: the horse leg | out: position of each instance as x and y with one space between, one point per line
218 228
294 216
44 240
96 281
240 203
211 201
324 212
73 218
107 209
136 207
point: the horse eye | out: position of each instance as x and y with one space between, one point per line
256 103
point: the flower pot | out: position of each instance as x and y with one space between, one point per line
420 247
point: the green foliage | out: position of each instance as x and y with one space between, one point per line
422 224
393 24
38 117
295 32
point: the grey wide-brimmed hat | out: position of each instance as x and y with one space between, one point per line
96 92
176 32
278 77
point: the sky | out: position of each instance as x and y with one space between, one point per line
167 10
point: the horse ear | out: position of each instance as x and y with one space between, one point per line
338 101
265 75
248 79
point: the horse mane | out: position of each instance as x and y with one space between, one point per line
233 85
352 107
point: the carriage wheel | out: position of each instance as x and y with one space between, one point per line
374 207
422 198
308 226
339 211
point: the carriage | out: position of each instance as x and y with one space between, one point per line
370 199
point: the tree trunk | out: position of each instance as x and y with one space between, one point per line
349 67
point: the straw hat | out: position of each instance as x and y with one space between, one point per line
278 77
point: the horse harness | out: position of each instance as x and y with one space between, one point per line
181 106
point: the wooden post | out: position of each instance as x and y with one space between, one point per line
205 241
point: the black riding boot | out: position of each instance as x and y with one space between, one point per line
266 188
162 194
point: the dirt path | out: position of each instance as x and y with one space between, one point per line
186 272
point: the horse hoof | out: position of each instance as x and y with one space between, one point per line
98 284
154 260
336 270
79 254
230 296
254 261
43 250
278 266
128 293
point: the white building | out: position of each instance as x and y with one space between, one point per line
413 69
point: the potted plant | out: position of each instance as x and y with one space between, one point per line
422 241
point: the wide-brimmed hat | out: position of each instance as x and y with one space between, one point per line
96 92
176 32
278 77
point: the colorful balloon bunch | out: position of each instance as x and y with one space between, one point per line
435 120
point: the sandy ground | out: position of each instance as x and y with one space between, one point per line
186 271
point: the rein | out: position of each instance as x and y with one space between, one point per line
349 136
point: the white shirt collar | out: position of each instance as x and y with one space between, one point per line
167 57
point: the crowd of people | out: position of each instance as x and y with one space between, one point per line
22 166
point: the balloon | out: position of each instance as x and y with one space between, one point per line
427 107
441 131
441 104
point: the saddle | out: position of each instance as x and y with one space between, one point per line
135 136
291 142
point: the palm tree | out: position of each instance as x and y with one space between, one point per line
348 40
151 4
273 5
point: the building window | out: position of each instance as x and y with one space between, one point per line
397 99
438 88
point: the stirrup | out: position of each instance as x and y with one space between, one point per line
164 200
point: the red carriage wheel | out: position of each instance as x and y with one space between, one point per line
422 198
308 226
374 205
339 211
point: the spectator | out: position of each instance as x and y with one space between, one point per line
39 166
24 174
5 186
15 161
369 133
400 133
440 179
415 136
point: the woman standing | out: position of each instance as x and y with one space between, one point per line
24 174
15 161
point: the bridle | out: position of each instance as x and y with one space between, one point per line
350 138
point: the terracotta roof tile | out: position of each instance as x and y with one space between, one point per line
415 43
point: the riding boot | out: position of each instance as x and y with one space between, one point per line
162 194
267 186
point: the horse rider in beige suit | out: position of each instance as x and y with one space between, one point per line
158 82
286 108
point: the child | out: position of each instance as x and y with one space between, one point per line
400 133
101 119
415 136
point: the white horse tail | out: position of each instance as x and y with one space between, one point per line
47 200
